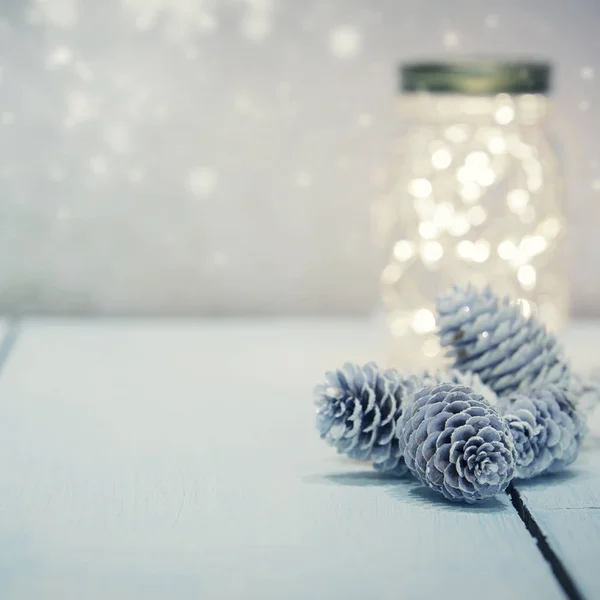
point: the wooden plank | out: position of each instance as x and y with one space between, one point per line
180 460
566 506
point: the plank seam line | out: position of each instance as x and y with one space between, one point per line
571 508
560 572
8 342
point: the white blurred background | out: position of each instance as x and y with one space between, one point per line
220 156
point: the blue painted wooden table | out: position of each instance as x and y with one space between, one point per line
171 459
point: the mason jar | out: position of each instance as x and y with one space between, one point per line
474 194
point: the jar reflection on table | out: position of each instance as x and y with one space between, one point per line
474 195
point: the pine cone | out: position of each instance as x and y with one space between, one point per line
546 427
468 379
491 338
357 411
456 443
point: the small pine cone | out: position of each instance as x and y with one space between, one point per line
468 379
546 427
491 338
357 411
456 443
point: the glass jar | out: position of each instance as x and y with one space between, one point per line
473 195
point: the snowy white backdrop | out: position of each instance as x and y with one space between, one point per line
198 156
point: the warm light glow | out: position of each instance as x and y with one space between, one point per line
485 177
423 321
444 215
465 249
518 148
476 169
470 192
404 250
476 215
428 230
459 226
481 251
477 160
425 208
479 195
441 159
534 175
532 245
420 188
504 115
527 276
431 251
457 133
507 250
525 307
517 201
464 175
550 228
534 182
391 274
496 143
528 215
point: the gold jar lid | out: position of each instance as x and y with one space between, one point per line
476 77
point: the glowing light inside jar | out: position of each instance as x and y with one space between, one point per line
496 143
476 215
481 251
464 249
428 230
441 159
404 250
425 207
532 245
550 228
470 192
477 160
527 276
507 250
485 177
423 321
457 133
528 215
444 215
517 201
480 169
431 252
459 226
504 115
420 188
391 274
525 307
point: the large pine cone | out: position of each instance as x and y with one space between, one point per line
490 337
456 443
546 427
468 379
357 411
